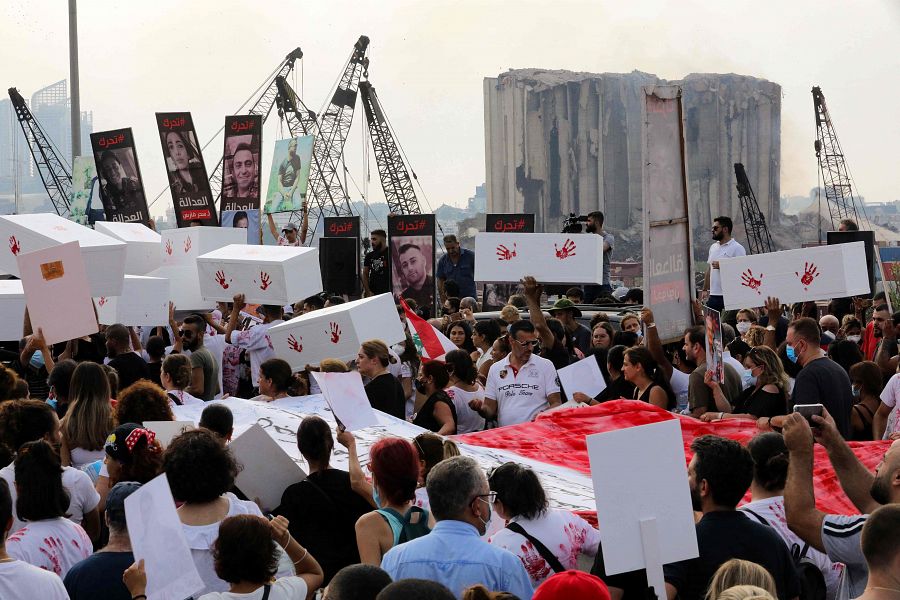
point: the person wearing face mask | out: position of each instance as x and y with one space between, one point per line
452 554
765 398
438 413
746 318
851 329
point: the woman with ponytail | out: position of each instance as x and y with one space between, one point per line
650 383
770 467
432 449
48 540
132 454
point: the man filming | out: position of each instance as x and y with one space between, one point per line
595 225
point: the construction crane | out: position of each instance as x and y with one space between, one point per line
261 106
325 187
53 170
395 179
754 222
835 177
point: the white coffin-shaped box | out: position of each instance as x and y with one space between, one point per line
142 254
143 301
337 331
549 257
12 307
264 274
104 257
180 247
184 287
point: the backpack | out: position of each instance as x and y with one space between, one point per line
402 526
812 582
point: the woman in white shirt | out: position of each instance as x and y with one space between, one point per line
462 388
48 540
176 377
483 335
89 418
201 470
533 529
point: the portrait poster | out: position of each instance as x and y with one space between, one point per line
290 174
714 347
411 241
121 187
241 164
84 176
247 219
188 181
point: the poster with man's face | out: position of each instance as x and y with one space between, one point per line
121 189
411 240
188 181
290 174
241 167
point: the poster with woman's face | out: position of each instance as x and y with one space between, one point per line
121 189
188 181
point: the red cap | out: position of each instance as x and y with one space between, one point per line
572 584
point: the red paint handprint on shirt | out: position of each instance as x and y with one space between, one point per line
534 563
335 333
567 250
504 253
748 280
264 280
575 536
51 548
220 279
293 344
810 272
14 245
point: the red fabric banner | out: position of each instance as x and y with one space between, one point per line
559 438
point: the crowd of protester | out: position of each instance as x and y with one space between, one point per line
412 522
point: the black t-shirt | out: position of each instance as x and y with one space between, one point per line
581 338
323 510
617 388
130 368
379 273
558 355
825 382
99 576
760 403
386 394
425 417
155 370
723 535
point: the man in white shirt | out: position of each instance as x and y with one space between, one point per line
18 579
523 384
724 247
255 340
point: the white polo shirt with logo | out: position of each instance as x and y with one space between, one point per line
730 249
521 394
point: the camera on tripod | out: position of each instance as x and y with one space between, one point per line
573 222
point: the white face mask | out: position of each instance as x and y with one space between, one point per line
854 338
743 327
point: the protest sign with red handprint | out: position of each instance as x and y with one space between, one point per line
295 344
810 272
187 245
335 332
14 245
751 281
567 250
504 253
220 279
169 247
264 280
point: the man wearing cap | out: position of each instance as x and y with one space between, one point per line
289 235
567 313
100 575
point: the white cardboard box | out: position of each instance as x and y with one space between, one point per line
12 307
142 254
104 257
143 301
337 331
264 274
181 247
549 257
184 287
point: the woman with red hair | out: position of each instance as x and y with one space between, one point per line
394 464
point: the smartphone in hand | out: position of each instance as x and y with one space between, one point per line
808 410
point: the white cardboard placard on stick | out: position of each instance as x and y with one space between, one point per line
345 394
57 293
267 469
548 257
642 492
583 376
157 537
801 275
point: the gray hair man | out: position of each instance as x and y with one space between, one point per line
453 553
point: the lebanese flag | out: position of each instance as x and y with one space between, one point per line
431 344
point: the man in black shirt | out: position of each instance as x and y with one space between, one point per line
376 275
719 474
129 365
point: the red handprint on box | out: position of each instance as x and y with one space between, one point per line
810 272
187 245
504 253
567 250
220 279
169 247
102 300
264 280
748 279
294 344
335 332
14 245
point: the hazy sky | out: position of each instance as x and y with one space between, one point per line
428 60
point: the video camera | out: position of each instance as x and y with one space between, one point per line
573 222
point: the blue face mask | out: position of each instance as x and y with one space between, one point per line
376 497
37 360
791 353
